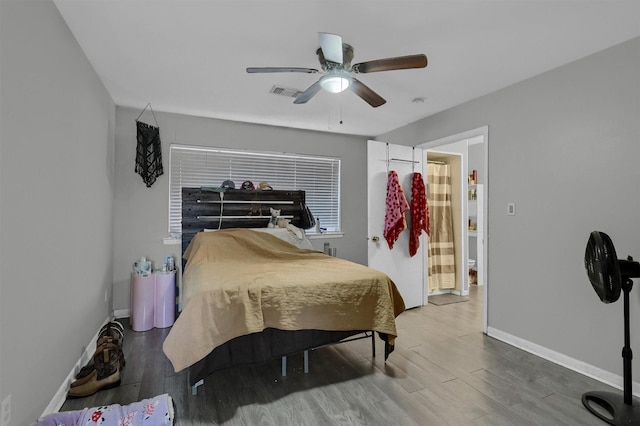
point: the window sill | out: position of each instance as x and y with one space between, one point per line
168 241
326 235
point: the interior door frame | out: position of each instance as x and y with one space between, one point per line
470 134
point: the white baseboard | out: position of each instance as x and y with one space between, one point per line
449 291
578 366
121 313
61 395
439 292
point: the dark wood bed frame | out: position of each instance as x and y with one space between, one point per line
201 208
205 208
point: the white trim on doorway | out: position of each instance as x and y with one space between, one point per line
480 134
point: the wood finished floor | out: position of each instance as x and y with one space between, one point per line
444 371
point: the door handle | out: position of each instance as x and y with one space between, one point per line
375 238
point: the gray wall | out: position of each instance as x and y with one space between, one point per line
56 180
141 213
565 147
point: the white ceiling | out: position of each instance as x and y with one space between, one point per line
190 56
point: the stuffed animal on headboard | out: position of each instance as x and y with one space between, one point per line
280 222
275 215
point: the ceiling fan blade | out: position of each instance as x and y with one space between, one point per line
308 94
389 64
331 45
253 70
368 95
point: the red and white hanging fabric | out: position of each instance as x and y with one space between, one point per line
419 213
396 205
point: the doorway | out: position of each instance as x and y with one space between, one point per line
446 244
472 148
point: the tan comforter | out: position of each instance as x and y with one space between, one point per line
239 281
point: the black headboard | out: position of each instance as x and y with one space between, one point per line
241 208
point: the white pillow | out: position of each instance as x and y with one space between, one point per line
288 236
284 234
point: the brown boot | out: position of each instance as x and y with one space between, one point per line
84 379
107 371
112 332
95 384
114 341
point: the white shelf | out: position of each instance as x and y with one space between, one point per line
475 214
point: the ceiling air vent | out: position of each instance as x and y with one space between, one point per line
283 91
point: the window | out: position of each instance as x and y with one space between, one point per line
319 177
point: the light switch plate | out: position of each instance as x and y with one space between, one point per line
511 209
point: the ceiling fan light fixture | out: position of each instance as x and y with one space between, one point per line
335 58
335 82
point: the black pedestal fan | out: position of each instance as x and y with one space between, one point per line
608 276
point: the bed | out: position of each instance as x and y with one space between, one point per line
250 296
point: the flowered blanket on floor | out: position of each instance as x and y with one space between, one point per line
156 411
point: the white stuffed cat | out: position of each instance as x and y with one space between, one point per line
279 222
275 215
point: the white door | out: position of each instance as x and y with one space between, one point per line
406 272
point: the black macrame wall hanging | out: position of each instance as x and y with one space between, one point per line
149 150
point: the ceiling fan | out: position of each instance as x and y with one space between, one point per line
335 58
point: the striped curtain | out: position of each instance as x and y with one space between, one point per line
441 250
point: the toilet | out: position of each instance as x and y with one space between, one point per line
473 275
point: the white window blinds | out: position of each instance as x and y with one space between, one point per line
318 176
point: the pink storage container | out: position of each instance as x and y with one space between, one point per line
164 299
142 300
